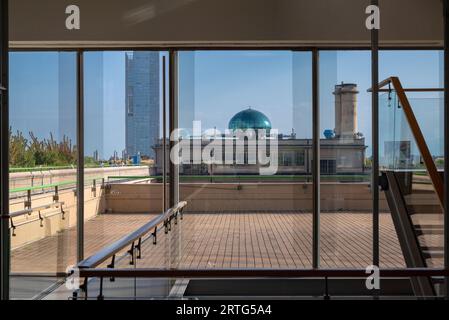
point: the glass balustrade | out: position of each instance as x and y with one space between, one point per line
403 156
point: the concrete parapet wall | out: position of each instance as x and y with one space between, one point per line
215 197
29 227
146 197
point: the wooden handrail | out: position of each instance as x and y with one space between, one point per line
411 90
435 177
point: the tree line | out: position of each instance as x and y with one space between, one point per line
35 152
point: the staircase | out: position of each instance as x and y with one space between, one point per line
414 191
418 220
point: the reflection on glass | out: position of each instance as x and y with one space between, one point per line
401 160
245 120
42 168
123 171
345 163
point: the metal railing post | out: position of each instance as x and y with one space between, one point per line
56 195
27 204
94 187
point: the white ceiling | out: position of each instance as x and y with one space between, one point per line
202 23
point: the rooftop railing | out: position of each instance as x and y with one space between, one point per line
133 240
323 274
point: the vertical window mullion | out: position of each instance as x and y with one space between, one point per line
5 246
375 137
316 159
80 155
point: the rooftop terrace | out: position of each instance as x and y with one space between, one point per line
224 240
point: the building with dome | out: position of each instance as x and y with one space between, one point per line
342 148
249 119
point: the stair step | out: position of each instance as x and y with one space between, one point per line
428 229
433 248
429 226
420 191
431 254
438 280
422 196
428 219
424 209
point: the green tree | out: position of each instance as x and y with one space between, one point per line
36 152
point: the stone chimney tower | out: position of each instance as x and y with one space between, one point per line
345 110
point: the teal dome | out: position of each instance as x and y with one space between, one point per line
249 119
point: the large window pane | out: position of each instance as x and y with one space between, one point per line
240 214
401 156
345 163
123 178
42 168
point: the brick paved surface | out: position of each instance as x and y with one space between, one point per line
271 240
226 240
55 253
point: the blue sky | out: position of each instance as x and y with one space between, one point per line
42 89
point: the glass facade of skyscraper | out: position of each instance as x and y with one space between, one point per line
142 103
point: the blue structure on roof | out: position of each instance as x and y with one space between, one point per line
329 134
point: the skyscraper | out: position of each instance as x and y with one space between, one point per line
142 102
